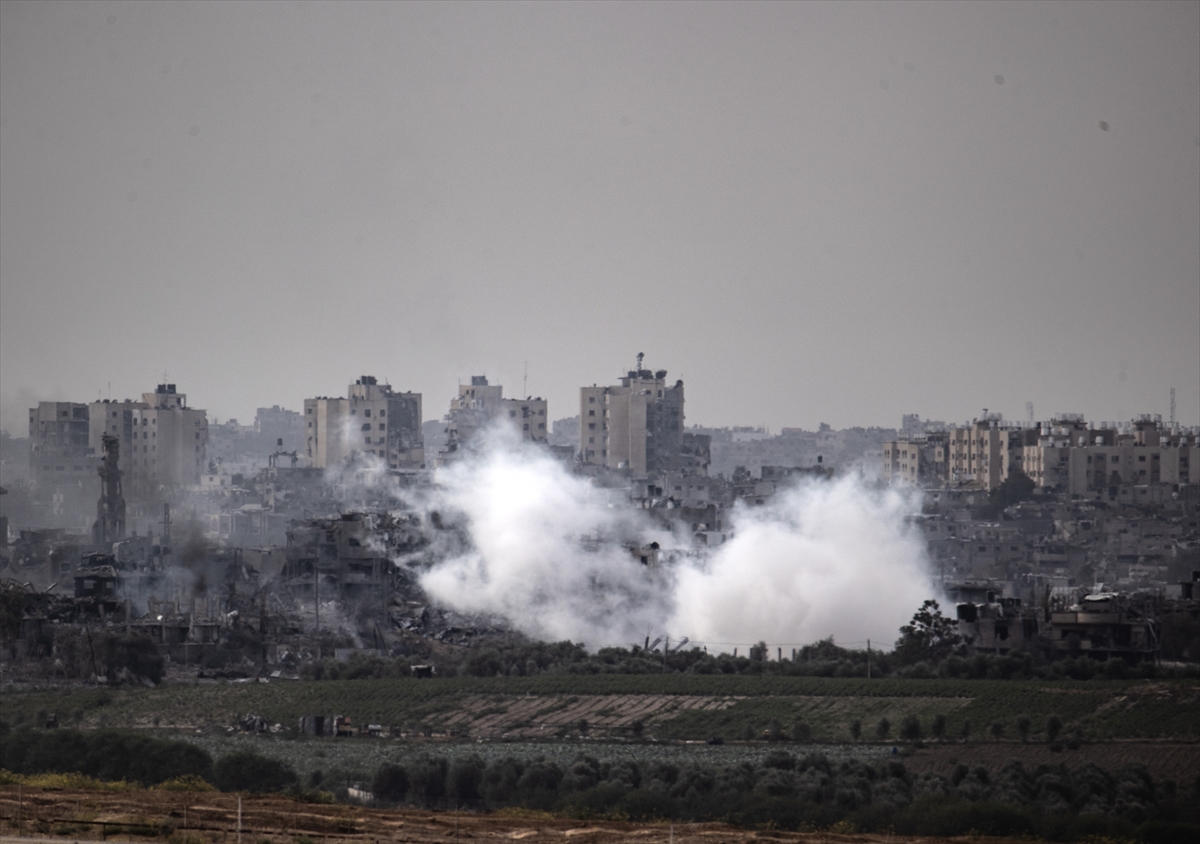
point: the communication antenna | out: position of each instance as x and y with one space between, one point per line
1172 405
1029 410
525 383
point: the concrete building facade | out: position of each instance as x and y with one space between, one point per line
168 442
373 421
59 453
635 426
479 404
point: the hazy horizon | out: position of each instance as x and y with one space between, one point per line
810 212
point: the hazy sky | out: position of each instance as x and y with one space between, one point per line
810 212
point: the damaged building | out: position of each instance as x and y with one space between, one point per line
372 422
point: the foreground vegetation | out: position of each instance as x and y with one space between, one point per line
782 790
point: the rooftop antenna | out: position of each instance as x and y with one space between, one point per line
525 383
1172 406
639 360
1029 410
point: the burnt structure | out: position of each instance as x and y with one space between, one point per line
110 509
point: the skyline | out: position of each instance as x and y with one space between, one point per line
808 212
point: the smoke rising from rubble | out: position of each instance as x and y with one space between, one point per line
825 559
547 550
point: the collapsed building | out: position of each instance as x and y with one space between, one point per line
479 405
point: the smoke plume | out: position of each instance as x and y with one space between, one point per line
548 551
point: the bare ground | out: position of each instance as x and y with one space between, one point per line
204 818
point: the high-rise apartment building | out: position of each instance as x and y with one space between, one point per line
59 452
168 442
636 425
373 421
480 404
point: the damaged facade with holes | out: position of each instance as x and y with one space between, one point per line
994 624
1105 625
348 557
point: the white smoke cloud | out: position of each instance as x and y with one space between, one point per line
547 551
824 559
831 558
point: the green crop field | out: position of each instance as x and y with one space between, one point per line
679 706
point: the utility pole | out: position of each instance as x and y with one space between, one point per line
868 659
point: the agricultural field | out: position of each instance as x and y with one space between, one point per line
674 706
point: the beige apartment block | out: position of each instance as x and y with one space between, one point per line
985 453
327 439
114 418
480 404
636 425
372 422
168 442
58 444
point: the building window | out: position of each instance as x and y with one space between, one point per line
367 412
367 427
382 427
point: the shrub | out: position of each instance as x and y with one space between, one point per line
883 729
801 732
856 729
938 727
105 755
245 770
390 784
1023 726
1054 726
910 728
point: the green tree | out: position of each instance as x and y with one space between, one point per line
856 729
1023 726
910 728
245 770
1054 726
391 783
883 729
1016 487
930 636
938 728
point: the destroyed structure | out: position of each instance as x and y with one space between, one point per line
308 546
479 405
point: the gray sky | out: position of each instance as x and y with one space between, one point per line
809 212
